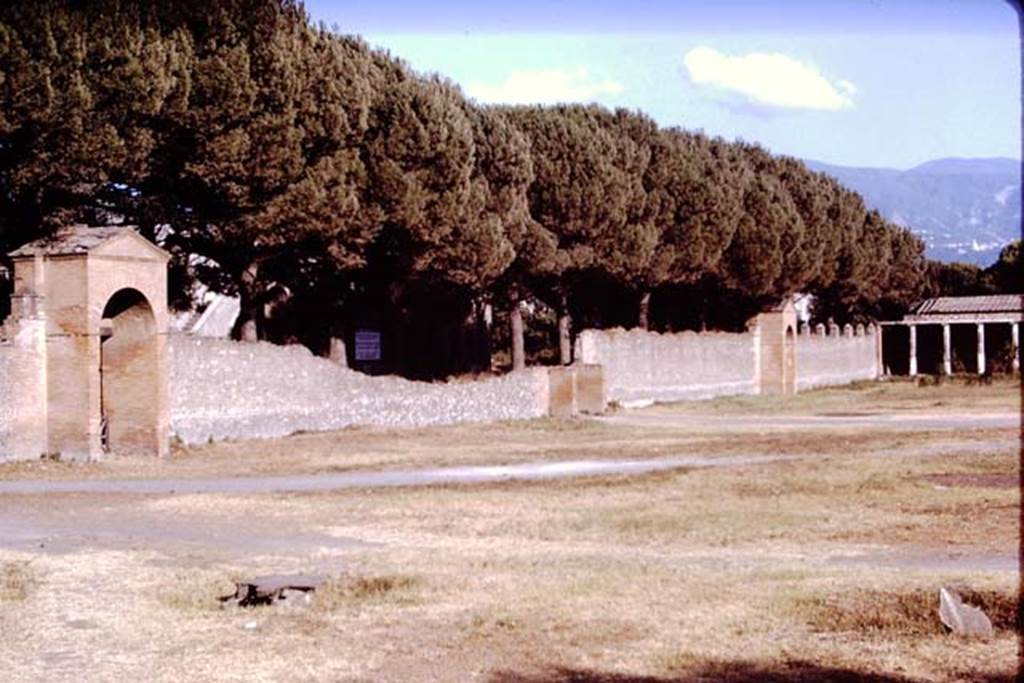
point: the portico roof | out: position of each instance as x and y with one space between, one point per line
999 308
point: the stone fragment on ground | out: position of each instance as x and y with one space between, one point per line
961 618
296 589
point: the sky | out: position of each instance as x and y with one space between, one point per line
890 83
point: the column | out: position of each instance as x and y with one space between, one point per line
981 348
947 351
880 367
1015 346
913 350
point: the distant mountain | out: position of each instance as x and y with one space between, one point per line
964 209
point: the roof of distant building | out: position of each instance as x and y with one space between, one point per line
945 305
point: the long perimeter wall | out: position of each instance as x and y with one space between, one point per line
640 366
228 390
221 389
838 357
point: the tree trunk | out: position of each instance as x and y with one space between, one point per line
248 330
564 341
643 319
518 337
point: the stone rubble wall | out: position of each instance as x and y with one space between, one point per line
222 389
641 366
22 388
837 358
6 399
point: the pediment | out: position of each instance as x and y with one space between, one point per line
129 244
78 240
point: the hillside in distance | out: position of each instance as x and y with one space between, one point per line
964 209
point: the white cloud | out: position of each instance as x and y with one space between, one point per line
771 79
545 86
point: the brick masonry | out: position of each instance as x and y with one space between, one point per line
57 401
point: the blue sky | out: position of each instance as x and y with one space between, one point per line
853 82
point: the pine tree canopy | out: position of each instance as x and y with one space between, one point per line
262 148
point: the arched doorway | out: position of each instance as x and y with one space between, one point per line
775 365
130 400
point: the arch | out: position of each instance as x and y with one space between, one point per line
776 350
130 391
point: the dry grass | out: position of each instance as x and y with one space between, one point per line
348 591
910 612
956 395
16 581
791 571
197 590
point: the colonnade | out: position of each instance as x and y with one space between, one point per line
947 347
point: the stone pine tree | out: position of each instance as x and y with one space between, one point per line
955 279
504 165
755 259
694 195
627 249
1005 275
880 271
808 251
766 256
587 188
905 279
421 149
266 164
86 90
443 241
236 123
836 286
279 151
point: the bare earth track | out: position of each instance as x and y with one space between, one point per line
732 540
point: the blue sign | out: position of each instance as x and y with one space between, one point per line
367 345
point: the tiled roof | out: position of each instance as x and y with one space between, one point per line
77 239
1000 303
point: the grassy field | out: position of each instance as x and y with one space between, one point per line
926 394
824 567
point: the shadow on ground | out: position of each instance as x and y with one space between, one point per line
729 672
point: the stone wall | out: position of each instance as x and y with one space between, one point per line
221 389
642 365
6 399
226 390
23 383
830 357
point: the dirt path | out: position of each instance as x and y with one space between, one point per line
124 573
117 513
445 475
349 480
909 421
